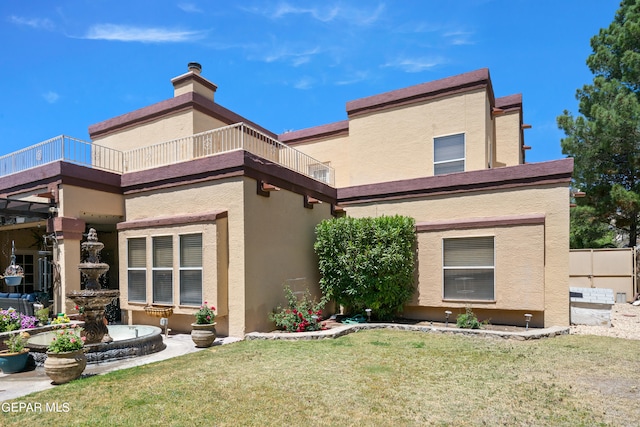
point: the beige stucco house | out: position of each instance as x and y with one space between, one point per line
196 203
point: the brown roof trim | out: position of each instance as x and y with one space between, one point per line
184 102
552 172
226 165
64 173
315 133
172 220
499 221
509 101
207 168
425 91
193 76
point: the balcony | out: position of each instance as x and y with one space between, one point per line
239 136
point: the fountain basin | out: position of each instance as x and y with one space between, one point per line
128 341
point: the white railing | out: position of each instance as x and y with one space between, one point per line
65 148
239 136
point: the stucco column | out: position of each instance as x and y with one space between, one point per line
66 257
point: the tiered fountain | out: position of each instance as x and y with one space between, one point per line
92 298
103 342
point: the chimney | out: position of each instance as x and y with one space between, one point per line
192 81
194 67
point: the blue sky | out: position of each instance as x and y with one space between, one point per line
285 65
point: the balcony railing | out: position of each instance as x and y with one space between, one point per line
239 136
62 148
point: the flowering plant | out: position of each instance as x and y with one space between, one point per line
80 309
61 319
67 339
301 315
11 320
206 314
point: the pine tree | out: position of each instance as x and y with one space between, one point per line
605 139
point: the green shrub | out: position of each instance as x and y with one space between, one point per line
300 315
468 320
367 262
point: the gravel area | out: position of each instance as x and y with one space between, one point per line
625 323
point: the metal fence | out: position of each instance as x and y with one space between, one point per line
239 136
65 148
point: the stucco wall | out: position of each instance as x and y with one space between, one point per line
280 233
89 204
508 147
167 128
224 194
398 143
334 150
533 259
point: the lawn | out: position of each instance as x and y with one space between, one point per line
380 377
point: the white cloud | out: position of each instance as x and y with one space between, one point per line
415 65
459 37
325 15
125 33
357 16
288 54
304 83
189 8
51 97
354 78
38 23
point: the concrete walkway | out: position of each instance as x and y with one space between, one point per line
23 383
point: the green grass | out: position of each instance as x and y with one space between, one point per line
381 377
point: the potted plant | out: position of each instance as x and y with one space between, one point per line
203 332
15 357
65 355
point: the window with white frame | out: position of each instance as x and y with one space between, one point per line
448 154
162 272
137 269
320 171
191 269
469 268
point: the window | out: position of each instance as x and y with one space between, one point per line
448 154
191 269
468 267
163 270
137 269
320 171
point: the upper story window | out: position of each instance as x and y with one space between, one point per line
448 154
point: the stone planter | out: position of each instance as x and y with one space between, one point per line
66 366
11 363
203 335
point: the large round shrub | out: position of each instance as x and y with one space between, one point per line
367 262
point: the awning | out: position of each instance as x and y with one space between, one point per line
14 211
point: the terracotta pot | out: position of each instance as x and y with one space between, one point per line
203 335
11 363
66 366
